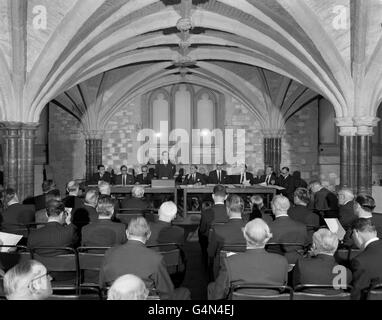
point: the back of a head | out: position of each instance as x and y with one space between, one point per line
104 188
302 194
73 187
139 228
219 193
257 233
54 208
138 192
296 175
51 196
128 287
105 207
47 185
9 195
367 203
54 192
235 205
167 211
258 200
91 197
315 185
17 282
366 226
325 241
280 205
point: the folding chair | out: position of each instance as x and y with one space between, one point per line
90 259
286 249
260 292
74 293
375 292
14 256
321 292
63 266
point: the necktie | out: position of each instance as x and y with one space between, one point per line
242 178
124 180
219 176
194 178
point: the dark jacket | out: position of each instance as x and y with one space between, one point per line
236 178
17 214
347 215
254 266
327 203
198 179
96 178
103 233
134 203
213 177
73 202
144 180
130 180
288 184
134 258
304 215
165 171
367 269
273 177
164 232
215 214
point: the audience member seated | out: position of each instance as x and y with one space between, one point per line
320 267
286 230
128 287
58 232
194 177
39 201
286 181
244 178
41 216
218 176
228 233
364 206
137 201
300 211
73 201
298 182
258 209
145 177
88 212
15 214
134 258
255 266
346 208
124 179
104 232
28 280
104 189
216 214
162 231
325 201
101 175
367 266
270 177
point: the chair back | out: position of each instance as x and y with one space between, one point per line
320 292
375 292
173 256
90 259
260 292
74 293
13 255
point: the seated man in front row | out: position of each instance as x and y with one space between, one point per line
194 177
145 177
244 178
134 258
218 176
255 266
124 179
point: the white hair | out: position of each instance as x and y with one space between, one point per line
167 211
280 205
257 233
325 241
128 287
104 188
138 192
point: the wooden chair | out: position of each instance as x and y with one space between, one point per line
14 256
74 293
375 292
327 292
260 292
90 259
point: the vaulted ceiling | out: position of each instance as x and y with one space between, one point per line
266 53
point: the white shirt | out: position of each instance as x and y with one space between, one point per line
216 203
282 215
370 241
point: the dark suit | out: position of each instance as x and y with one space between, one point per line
17 214
326 202
134 203
134 258
237 178
103 233
254 266
129 180
191 180
53 234
164 232
73 202
304 215
83 216
367 269
347 215
97 177
165 170
37 201
288 184
214 179
286 230
267 179
144 180
317 270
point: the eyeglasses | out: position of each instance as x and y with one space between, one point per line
47 275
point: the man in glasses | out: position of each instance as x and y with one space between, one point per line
28 280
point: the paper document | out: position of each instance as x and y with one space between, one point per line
8 239
335 226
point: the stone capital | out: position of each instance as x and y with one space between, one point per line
94 134
273 133
365 125
344 122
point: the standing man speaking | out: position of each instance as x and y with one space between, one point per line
164 169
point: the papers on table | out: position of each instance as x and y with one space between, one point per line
335 226
8 239
264 184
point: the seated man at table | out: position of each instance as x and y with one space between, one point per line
145 177
163 231
135 258
124 179
194 177
218 176
244 178
255 266
136 202
101 175
216 214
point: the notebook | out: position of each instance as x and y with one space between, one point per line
335 226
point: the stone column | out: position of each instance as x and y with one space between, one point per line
19 157
93 152
365 128
272 149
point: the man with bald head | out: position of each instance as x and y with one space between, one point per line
255 266
128 287
28 280
346 208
